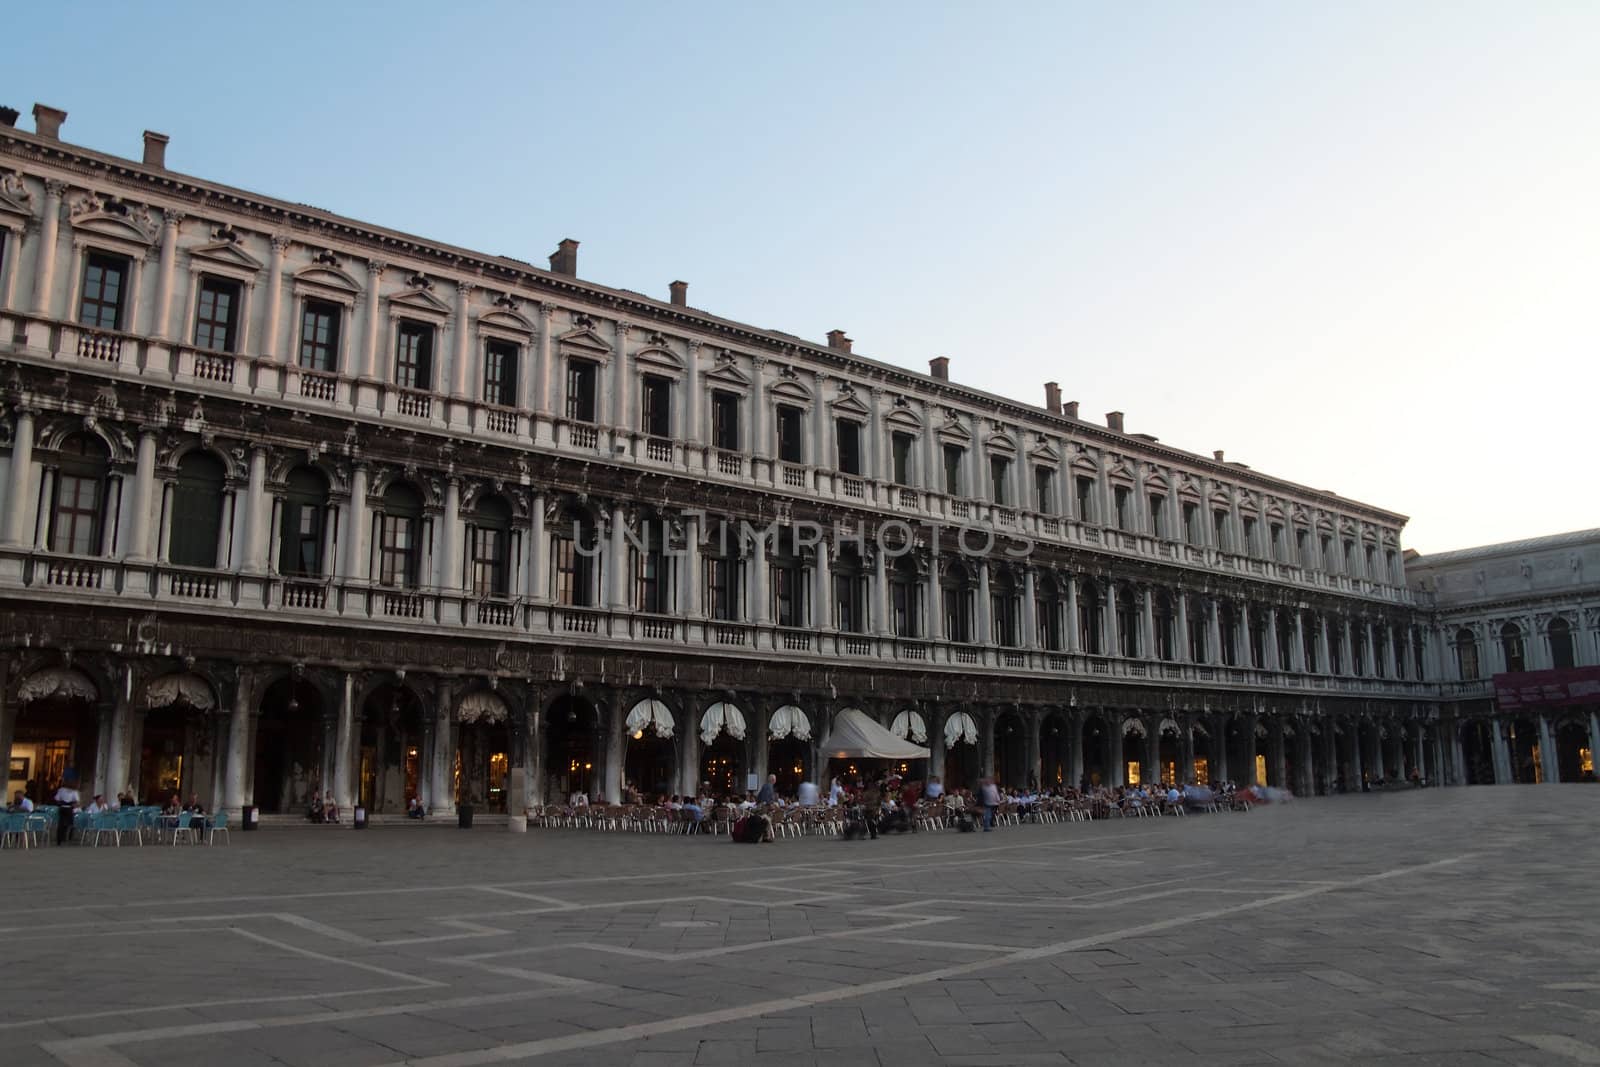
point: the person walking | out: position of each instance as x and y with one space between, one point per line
989 793
769 791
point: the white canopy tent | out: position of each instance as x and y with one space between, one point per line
960 729
910 726
789 721
856 735
650 713
720 717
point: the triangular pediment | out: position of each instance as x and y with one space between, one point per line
329 277
953 428
228 254
999 442
728 374
659 356
790 389
1120 472
903 418
419 299
849 404
584 337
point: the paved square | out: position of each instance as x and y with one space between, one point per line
1442 926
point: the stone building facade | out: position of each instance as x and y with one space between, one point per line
289 502
1518 626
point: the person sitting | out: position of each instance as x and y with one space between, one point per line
20 803
97 804
580 800
414 808
330 810
935 788
172 806
808 794
314 809
194 807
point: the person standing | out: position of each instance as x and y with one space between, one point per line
67 800
769 791
808 794
989 793
871 804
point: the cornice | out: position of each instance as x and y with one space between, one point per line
273 215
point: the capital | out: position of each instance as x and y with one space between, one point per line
547 312
376 267
281 244
172 217
464 288
55 188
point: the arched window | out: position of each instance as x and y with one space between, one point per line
1467 654
1310 628
197 511
400 537
75 521
850 592
905 589
574 561
1166 622
1048 608
1560 632
1128 629
1228 620
653 567
957 590
304 524
1511 645
1005 609
489 543
1090 604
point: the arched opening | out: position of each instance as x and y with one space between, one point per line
175 731
1050 611
960 751
1165 618
1522 741
1129 630
78 512
1466 644
1204 757
1135 743
789 748
302 529
1011 751
392 745
1089 609
1560 633
1005 609
1477 751
290 754
1511 647
575 560
1574 759
572 749
1055 752
56 732
650 750
483 750
1169 754
956 589
722 756
1228 625
905 597
400 537
1096 752
196 535
489 548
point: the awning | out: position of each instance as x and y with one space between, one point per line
910 726
63 682
183 689
790 721
856 735
651 713
1133 728
720 717
960 729
481 705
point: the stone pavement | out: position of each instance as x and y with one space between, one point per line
1442 926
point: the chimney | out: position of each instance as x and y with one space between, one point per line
8 116
47 121
1217 455
838 341
155 149
1070 409
1052 397
1114 420
565 258
680 293
939 367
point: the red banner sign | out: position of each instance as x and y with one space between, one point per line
1580 685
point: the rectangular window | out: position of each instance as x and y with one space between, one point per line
300 539
75 526
788 594
654 587
319 336
1326 544
656 399
571 571
1250 546
1372 561
397 551
1277 541
1044 499
847 434
850 603
722 589
953 454
1191 522
957 620
725 421
105 281
488 561
790 444
1388 559
500 373
581 379
215 322
1349 557
1219 527
1122 499
904 608
1301 544
1158 515
999 476
1085 491
900 445
413 360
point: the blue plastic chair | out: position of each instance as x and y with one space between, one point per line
219 824
183 829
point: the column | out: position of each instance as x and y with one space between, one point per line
369 339
1213 632
1297 654
1594 741
49 231
1502 755
1030 723
538 553
1119 765
822 614
610 715
1180 640
1030 617
543 372
257 511
344 749
274 313
443 800
1219 748
1549 764
1247 748
691 580
355 554
1110 633
934 603
985 622
144 479
932 467
820 457
760 443
1074 644
1185 750
987 724
1269 642
619 381
169 260
1241 635
113 776
461 378
1075 748
935 747
760 603
880 592
1325 660
875 465
236 777
691 396
1276 755
19 486
449 574
1147 623
1371 663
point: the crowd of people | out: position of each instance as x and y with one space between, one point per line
68 802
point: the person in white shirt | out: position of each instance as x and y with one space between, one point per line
580 800
67 799
97 805
808 794
21 803
935 788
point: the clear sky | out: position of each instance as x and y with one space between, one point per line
1356 245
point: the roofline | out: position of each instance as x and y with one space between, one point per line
176 182
1521 545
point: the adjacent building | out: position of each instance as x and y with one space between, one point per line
293 503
